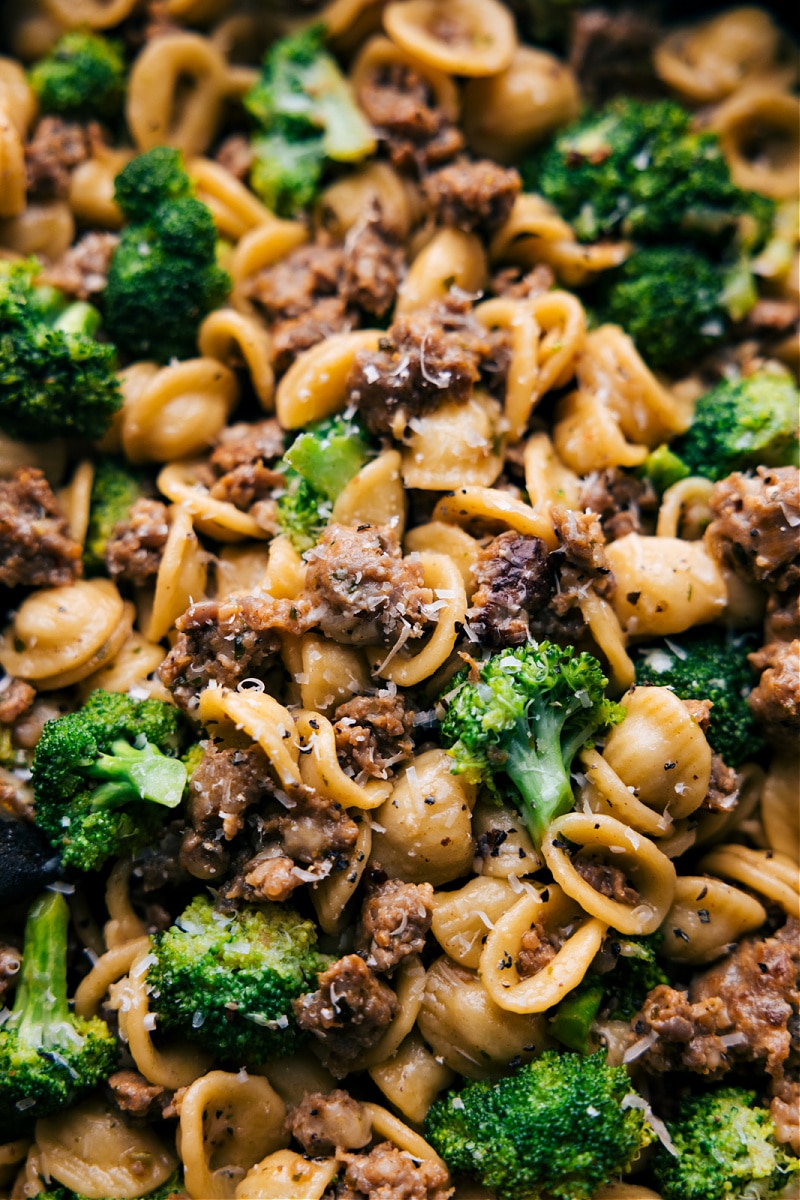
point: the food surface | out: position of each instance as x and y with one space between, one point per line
399 601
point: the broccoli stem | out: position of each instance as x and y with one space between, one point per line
132 774
41 1013
539 773
572 1023
79 318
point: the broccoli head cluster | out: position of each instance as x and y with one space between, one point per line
115 488
83 76
56 379
559 1127
163 277
317 467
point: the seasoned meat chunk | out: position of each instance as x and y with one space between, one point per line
415 131
251 487
538 947
224 642
348 1013
236 155
136 546
428 356
754 530
607 880
689 1035
36 548
619 500
373 262
513 579
373 734
244 444
269 876
473 196
395 919
583 545
312 827
723 787
82 270
361 589
782 620
387 1173
784 1109
55 149
133 1095
518 284
776 700
224 786
758 985
16 697
327 1121
322 320
611 53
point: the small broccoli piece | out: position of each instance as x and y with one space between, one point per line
710 664
726 1148
526 718
48 1056
307 116
638 170
663 468
103 776
163 277
83 76
56 380
618 994
743 423
669 300
560 1127
115 488
318 466
229 980
172 1188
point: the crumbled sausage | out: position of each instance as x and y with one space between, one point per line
321 321
310 827
327 1121
387 1173
134 1096
723 787
776 699
203 857
538 947
619 500
16 697
361 589
10 963
415 131
225 784
583 545
782 620
55 149
473 196
243 444
236 155
607 880
758 985
518 284
784 1108
513 579
689 1033
395 919
82 270
372 266
611 53
754 530
348 1013
136 546
269 876
36 548
428 356
373 734
225 642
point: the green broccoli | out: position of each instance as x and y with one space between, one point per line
709 663
618 994
663 468
638 170
229 980
82 77
103 776
669 300
306 116
526 718
725 1148
48 1056
560 1127
742 423
318 466
163 277
115 488
56 380
172 1188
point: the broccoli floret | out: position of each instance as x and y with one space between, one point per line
103 776
172 1188
743 423
318 466
618 994
669 300
229 980
115 488
663 468
48 1056
559 1127
83 76
726 1148
307 116
56 380
163 277
637 170
526 718
710 664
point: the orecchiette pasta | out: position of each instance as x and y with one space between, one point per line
705 917
479 38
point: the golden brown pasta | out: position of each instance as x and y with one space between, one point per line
161 108
175 411
706 916
478 37
664 585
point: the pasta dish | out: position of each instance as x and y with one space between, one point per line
400 578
